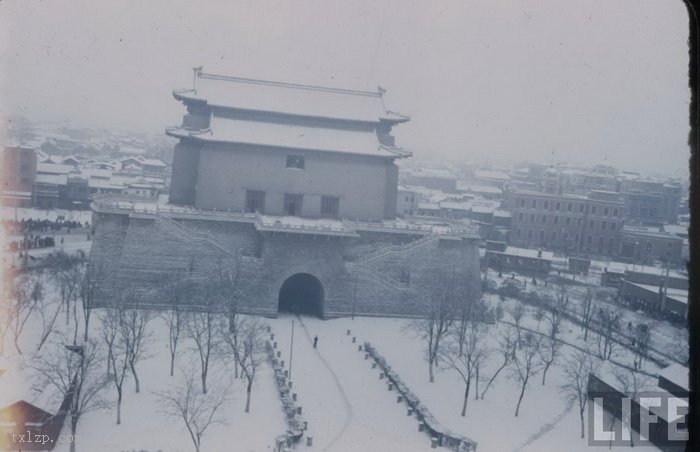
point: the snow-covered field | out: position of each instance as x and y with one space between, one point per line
545 422
347 406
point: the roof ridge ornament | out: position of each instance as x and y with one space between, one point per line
196 72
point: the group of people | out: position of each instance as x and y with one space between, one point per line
27 226
31 242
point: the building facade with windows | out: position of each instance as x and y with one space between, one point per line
568 223
285 195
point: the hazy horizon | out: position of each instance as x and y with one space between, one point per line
514 80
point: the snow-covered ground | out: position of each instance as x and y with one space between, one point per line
347 406
546 422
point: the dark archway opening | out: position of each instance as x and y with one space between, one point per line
302 294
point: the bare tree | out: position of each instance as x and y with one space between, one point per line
548 353
640 343
75 373
468 305
588 310
232 290
632 383
197 410
466 357
507 344
436 320
556 310
134 326
23 301
517 312
174 317
230 333
117 354
48 311
200 326
88 292
577 369
252 352
65 271
609 322
525 364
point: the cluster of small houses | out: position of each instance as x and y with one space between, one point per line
32 178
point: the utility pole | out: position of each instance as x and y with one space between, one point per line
291 351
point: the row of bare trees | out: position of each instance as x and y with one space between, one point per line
66 283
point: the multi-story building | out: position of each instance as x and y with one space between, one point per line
571 223
18 175
650 201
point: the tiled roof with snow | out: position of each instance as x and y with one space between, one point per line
153 162
279 135
290 99
55 179
52 168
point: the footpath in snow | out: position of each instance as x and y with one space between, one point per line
346 404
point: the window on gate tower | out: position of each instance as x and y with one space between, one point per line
295 161
255 201
330 206
292 204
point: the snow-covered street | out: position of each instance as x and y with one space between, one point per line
346 404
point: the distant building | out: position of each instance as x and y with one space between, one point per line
431 178
406 201
651 201
18 175
645 245
572 223
501 257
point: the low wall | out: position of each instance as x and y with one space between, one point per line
440 435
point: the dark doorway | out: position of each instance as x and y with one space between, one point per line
302 294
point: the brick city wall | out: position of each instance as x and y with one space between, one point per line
140 253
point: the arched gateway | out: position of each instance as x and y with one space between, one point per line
301 293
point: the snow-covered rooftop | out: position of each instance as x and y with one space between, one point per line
57 179
292 136
526 252
289 98
52 168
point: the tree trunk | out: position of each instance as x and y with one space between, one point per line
476 383
466 398
430 372
492 379
73 430
520 399
19 350
86 312
204 382
119 406
544 372
136 377
172 364
582 426
248 390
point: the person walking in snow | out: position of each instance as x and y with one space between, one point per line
315 341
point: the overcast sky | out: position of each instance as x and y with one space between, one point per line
496 80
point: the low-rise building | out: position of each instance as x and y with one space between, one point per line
645 245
